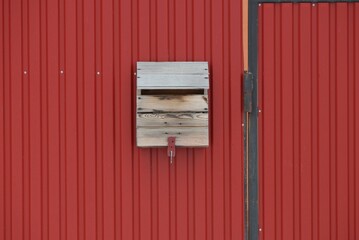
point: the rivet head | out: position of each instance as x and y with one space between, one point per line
260 229
259 110
313 4
62 71
25 72
259 4
98 73
242 124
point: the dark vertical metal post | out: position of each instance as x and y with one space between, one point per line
252 126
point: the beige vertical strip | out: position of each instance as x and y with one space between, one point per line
245 33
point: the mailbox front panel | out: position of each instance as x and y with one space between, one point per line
172 101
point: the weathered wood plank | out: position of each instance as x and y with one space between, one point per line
172 68
172 119
185 136
157 81
172 103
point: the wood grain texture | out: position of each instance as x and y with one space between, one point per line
172 119
185 136
172 68
174 81
176 103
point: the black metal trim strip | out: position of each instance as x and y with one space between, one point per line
251 231
302 1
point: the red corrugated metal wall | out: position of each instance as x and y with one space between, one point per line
69 168
309 126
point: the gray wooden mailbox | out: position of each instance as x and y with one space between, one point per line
172 101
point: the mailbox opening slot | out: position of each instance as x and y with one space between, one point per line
173 92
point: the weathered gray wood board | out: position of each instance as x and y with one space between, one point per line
185 136
152 81
172 119
172 103
172 68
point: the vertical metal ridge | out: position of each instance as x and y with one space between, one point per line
114 117
223 117
348 122
22 121
353 61
95 106
315 123
99 73
330 116
261 104
114 152
59 108
117 128
355 116
296 116
47 125
41 124
193 31
336 120
10 127
275 110
322 43
293 118
134 56
281 117
350 111
355 123
77 74
3 189
316 75
41 121
153 152
28 78
10 227
83 117
135 152
299 124
230 115
311 33
212 104
118 153
65 124
6 129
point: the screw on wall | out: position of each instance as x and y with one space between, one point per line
171 148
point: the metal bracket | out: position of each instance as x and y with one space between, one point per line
171 148
248 90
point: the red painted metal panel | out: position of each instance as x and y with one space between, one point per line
69 167
308 61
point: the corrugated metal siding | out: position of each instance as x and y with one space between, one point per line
309 61
69 165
